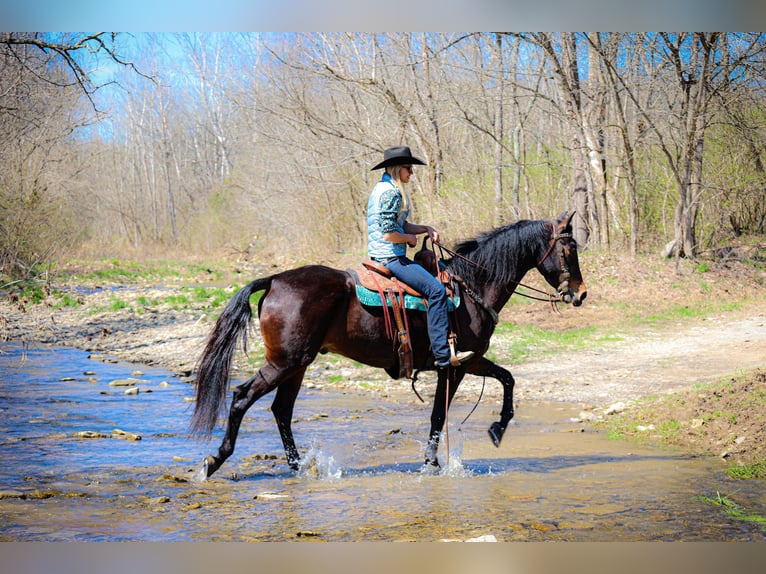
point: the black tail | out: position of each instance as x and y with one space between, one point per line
214 364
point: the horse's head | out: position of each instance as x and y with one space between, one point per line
560 265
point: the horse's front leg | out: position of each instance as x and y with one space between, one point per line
487 368
449 377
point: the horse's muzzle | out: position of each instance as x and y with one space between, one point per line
569 295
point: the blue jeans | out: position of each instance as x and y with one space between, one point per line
438 321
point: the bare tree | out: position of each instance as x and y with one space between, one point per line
562 54
264 142
697 68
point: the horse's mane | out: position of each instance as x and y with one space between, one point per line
494 256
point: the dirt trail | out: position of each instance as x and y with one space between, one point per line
650 363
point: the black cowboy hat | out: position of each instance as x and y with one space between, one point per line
399 155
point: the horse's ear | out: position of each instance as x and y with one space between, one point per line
566 218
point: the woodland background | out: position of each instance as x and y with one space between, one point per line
260 145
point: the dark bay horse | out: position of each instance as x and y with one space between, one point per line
314 309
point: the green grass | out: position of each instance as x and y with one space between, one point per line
118 304
527 341
115 304
33 292
66 300
615 434
749 471
685 312
177 302
734 510
146 302
213 297
126 271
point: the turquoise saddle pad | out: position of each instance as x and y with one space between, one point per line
372 299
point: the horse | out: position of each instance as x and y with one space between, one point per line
314 309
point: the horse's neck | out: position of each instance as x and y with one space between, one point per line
497 294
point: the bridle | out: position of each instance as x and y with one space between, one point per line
564 274
561 290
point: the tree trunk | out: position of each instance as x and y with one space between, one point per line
583 221
497 56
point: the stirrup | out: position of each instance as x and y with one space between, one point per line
455 359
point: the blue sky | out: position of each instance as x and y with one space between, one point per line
388 15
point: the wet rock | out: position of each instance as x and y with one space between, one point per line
172 478
43 494
90 434
125 382
483 538
615 409
89 373
269 496
11 494
542 526
131 391
137 374
121 434
586 416
160 500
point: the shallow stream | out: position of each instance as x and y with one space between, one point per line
551 479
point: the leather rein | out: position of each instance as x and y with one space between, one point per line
551 298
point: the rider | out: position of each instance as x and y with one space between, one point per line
389 233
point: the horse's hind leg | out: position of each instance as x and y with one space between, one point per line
439 412
263 382
282 409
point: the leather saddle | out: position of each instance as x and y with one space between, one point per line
376 277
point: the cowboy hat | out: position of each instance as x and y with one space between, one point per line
399 155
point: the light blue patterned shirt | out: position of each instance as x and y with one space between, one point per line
386 212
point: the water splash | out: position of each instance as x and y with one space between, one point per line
320 465
452 461
201 474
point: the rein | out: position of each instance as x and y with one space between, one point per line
549 297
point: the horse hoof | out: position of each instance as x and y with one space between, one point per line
209 465
496 433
